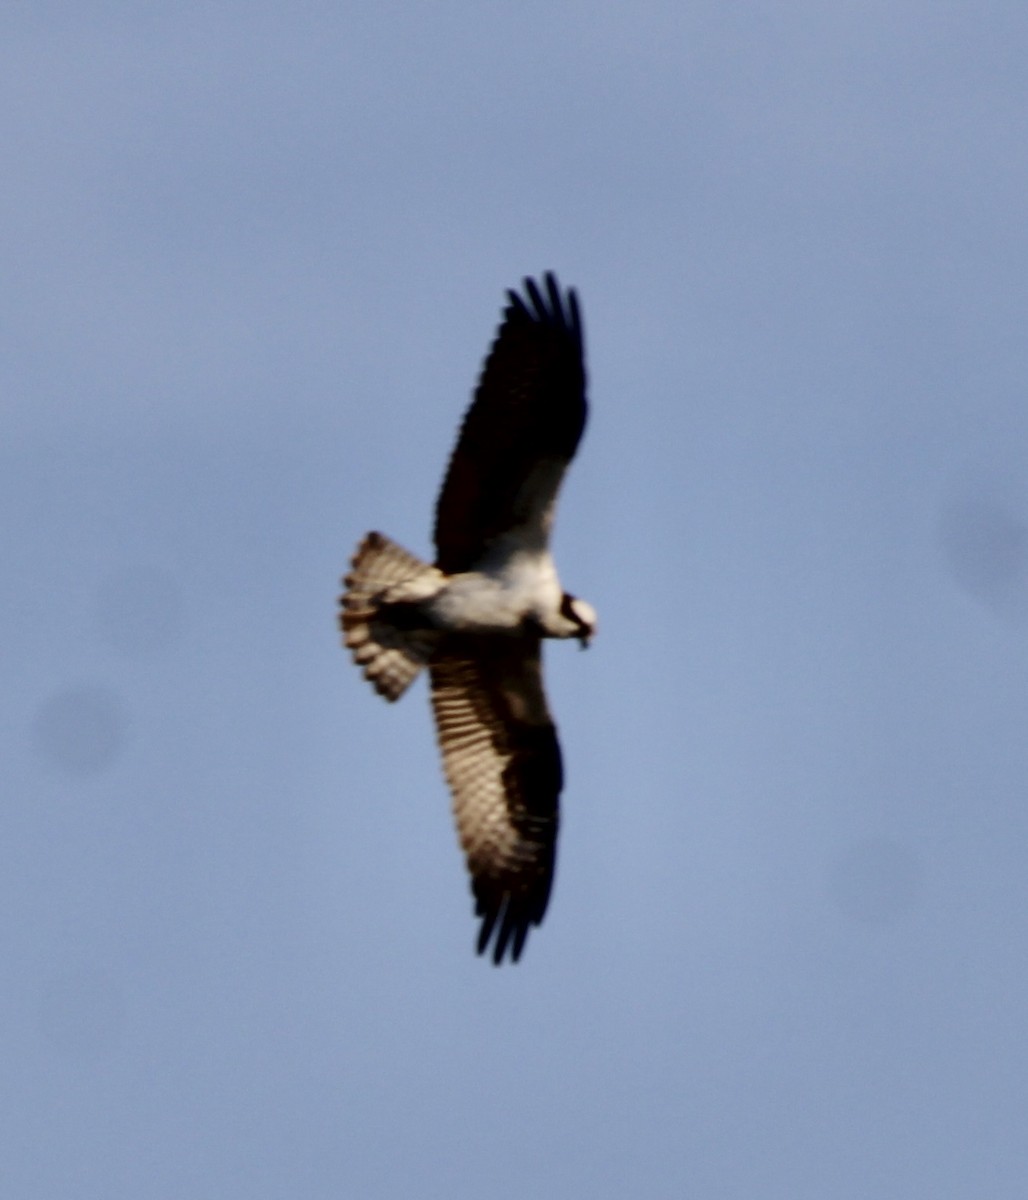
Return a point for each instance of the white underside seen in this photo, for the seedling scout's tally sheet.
(508, 589)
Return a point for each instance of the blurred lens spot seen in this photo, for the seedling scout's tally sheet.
(987, 552)
(82, 1012)
(875, 881)
(139, 610)
(81, 731)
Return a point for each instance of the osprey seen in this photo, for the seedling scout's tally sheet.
(477, 617)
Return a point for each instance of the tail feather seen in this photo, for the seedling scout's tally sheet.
(384, 574)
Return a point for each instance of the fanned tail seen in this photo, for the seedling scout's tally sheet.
(379, 614)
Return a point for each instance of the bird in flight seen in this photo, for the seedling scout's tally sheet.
(477, 617)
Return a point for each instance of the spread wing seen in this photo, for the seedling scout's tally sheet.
(503, 765)
(521, 430)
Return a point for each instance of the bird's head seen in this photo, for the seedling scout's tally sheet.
(581, 618)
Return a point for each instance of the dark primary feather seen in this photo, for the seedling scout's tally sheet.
(503, 764)
(529, 408)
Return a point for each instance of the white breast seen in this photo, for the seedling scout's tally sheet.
(508, 587)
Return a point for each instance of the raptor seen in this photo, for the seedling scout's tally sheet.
(476, 618)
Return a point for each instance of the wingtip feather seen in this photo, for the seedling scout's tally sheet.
(510, 921)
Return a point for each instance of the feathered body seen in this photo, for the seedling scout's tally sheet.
(476, 618)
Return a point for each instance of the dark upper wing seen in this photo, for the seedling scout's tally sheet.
(503, 765)
(521, 430)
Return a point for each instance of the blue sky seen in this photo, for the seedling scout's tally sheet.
(254, 255)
